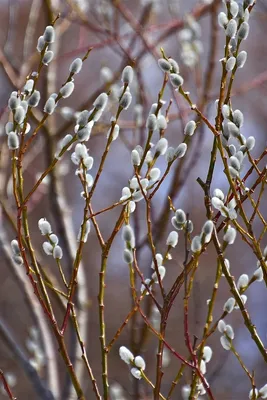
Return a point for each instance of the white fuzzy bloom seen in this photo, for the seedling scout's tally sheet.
(207, 231)
(172, 239)
(222, 19)
(143, 288)
(218, 193)
(162, 272)
(126, 100)
(207, 354)
(127, 256)
(161, 146)
(242, 281)
(185, 392)
(241, 59)
(101, 101)
(229, 305)
(86, 232)
(126, 355)
(230, 235)
(202, 367)
(49, 34)
(250, 143)
(180, 151)
(176, 80)
(230, 63)
(154, 174)
(44, 227)
(164, 65)
(196, 244)
(136, 373)
(263, 392)
(140, 362)
(34, 99)
(48, 57)
(15, 247)
(115, 132)
(253, 393)
(50, 106)
(19, 115)
(67, 89)
(190, 128)
(258, 274)
(162, 123)
(53, 238)
(13, 141)
(127, 75)
(221, 326)
(48, 248)
(225, 343)
(151, 122)
(135, 158)
(76, 66)
(170, 154)
(57, 252)
(128, 235)
(40, 44)
(231, 28)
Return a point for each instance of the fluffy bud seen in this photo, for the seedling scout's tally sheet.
(34, 99)
(50, 106)
(19, 115)
(243, 31)
(164, 65)
(49, 34)
(135, 157)
(161, 147)
(230, 235)
(128, 256)
(180, 150)
(126, 100)
(76, 66)
(126, 355)
(190, 128)
(242, 281)
(127, 75)
(151, 122)
(162, 123)
(128, 235)
(229, 305)
(140, 362)
(230, 63)
(101, 101)
(238, 118)
(250, 143)
(40, 44)
(222, 19)
(48, 57)
(172, 239)
(67, 89)
(241, 59)
(196, 244)
(231, 28)
(57, 252)
(44, 227)
(176, 80)
(207, 354)
(13, 141)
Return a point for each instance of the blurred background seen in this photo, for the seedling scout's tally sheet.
(122, 33)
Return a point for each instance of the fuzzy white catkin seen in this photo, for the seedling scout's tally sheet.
(180, 150)
(76, 66)
(28, 86)
(9, 127)
(44, 227)
(225, 343)
(174, 65)
(185, 392)
(221, 326)
(13, 141)
(48, 248)
(190, 128)
(226, 111)
(127, 256)
(164, 65)
(234, 8)
(101, 101)
(258, 274)
(253, 394)
(127, 75)
(241, 59)
(13, 102)
(48, 57)
(126, 355)
(170, 154)
(172, 239)
(196, 244)
(222, 19)
(126, 100)
(230, 63)
(233, 129)
(250, 143)
(151, 122)
(208, 228)
(219, 194)
(230, 235)
(128, 235)
(154, 174)
(140, 362)
(84, 133)
(34, 99)
(234, 162)
(53, 238)
(15, 247)
(136, 373)
(243, 31)
(19, 115)
(40, 44)
(231, 28)
(49, 106)
(263, 392)
(162, 123)
(207, 354)
(162, 272)
(238, 118)
(176, 80)
(115, 132)
(229, 305)
(135, 157)
(57, 252)
(67, 89)
(242, 281)
(161, 147)
(49, 34)
(229, 331)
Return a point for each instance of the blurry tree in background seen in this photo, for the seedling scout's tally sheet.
(132, 199)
